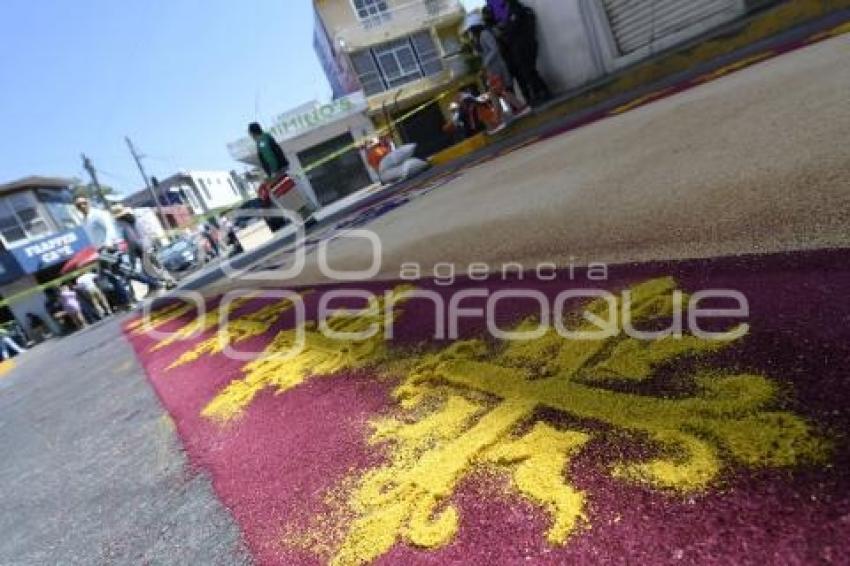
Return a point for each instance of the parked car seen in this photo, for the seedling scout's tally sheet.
(182, 256)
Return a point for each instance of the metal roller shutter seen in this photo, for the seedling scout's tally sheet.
(639, 23)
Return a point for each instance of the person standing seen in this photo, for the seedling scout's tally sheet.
(499, 78)
(276, 166)
(518, 23)
(141, 253)
(98, 224)
(88, 284)
(71, 306)
(270, 154)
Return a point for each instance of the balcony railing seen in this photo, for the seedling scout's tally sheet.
(396, 22)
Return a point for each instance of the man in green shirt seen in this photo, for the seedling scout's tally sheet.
(271, 156)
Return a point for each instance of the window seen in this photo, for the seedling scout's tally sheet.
(426, 50)
(371, 12)
(60, 206)
(368, 73)
(205, 189)
(20, 219)
(233, 187)
(398, 62)
(185, 195)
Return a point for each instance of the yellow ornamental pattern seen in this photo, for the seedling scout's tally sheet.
(466, 407)
(237, 330)
(202, 324)
(291, 358)
(160, 317)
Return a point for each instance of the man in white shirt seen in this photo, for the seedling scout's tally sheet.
(99, 225)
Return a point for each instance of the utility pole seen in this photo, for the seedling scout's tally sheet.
(138, 159)
(87, 164)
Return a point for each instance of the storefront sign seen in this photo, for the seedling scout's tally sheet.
(303, 119)
(49, 251)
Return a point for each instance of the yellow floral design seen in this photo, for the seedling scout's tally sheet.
(318, 355)
(237, 330)
(160, 317)
(210, 320)
(475, 404)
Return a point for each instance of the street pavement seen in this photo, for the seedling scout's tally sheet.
(92, 472)
(407, 453)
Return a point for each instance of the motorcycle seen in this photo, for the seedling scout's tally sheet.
(117, 261)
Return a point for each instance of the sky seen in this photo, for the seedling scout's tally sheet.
(181, 78)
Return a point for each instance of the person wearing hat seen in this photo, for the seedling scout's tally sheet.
(126, 221)
(139, 250)
(499, 78)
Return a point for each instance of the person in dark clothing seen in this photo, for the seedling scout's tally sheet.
(53, 306)
(126, 222)
(210, 235)
(142, 256)
(518, 25)
(117, 291)
(38, 329)
(271, 156)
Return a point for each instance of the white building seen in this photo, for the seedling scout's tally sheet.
(201, 191)
(320, 142)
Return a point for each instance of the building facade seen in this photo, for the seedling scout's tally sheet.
(40, 230)
(402, 54)
(201, 191)
(583, 40)
(322, 144)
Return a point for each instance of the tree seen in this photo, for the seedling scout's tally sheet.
(82, 189)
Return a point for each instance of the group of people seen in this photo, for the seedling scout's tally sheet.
(105, 288)
(504, 35)
(93, 296)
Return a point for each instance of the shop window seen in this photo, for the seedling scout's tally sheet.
(425, 129)
(20, 219)
(341, 175)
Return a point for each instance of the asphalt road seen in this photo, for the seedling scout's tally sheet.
(92, 472)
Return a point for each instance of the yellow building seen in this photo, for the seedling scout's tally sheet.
(403, 54)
